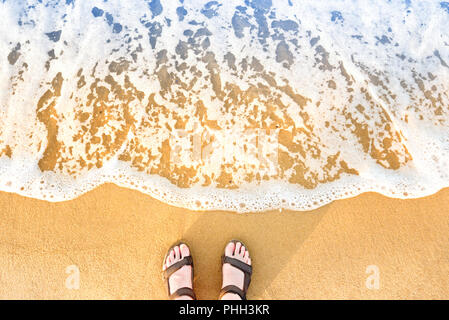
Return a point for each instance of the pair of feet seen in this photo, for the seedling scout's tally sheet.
(232, 276)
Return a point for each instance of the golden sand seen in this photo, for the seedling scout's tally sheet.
(118, 237)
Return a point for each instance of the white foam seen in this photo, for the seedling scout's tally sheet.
(391, 58)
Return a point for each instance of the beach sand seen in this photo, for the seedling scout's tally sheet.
(117, 238)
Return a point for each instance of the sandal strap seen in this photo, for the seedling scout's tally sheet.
(245, 268)
(185, 291)
(186, 261)
(233, 289)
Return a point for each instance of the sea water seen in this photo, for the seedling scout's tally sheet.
(243, 105)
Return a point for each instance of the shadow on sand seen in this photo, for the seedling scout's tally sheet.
(272, 238)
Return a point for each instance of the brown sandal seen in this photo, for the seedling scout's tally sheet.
(186, 261)
(245, 268)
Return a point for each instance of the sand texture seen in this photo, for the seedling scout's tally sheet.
(118, 237)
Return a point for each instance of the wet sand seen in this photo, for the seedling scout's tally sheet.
(117, 238)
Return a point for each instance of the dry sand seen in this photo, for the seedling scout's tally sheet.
(117, 238)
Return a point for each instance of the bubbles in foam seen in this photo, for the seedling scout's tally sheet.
(233, 105)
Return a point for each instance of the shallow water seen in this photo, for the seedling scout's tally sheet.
(237, 105)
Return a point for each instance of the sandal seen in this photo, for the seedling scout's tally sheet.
(245, 268)
(186, 261)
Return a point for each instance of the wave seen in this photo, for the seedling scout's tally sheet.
(243, 105)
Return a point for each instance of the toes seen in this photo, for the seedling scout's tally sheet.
(177, 253)
(167, 261)
(237, 250)
(242, 251)
(184, 250)
(229, 250)
(238, 245)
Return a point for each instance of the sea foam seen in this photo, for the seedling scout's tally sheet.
(243, 105)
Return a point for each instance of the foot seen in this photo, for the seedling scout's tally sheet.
(232, 275)
(183, 277)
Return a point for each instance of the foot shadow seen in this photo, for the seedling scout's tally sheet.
(272, 238)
